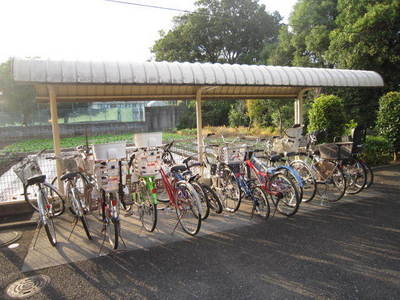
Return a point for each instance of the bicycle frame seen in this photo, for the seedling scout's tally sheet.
(262, 178)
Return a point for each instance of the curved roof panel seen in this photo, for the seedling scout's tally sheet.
(174, 73)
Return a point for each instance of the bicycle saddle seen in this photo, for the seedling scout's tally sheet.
(275, 158)
(68, 176)
(178, 168)
(36, 179)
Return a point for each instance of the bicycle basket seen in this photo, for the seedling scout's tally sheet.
(69, 164)
(26, 169)
(85, 165)
(333, 151)
(231, 155)
(147, 162)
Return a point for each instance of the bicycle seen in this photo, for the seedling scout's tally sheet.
(281, 189)
(45, 197)
(144, 165)
(183, 197)
(209, 199)
(226, 175)
(78, 206)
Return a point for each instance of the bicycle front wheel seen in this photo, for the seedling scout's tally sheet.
(356, 176)
(283, 193)
(213, 199)
(147, 209)
(310, 185)
(232, 191)
(370, 175)
(333, 185)
(188, 208)
(262, 205)
(205, 206)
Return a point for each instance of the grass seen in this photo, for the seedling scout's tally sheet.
(35, 145)
(40, 144)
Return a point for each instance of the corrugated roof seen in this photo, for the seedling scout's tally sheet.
(165, 73)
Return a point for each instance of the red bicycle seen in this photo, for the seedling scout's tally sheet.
(281, 189)
(184, 198)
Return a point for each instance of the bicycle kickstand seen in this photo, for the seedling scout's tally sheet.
(73, 227)
(104, 230)
(39, 226)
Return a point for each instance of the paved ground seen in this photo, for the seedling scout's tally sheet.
(346, 250)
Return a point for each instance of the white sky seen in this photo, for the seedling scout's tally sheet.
(91, 29)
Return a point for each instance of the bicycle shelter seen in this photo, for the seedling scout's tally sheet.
(83, 81)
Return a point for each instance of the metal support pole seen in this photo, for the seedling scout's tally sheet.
(299, 107)
(56, 134)
(199, 123)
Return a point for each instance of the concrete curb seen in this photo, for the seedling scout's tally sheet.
(17, 224)
(395, 164)
(14, 208)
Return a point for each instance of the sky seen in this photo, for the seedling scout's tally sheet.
(91, 29)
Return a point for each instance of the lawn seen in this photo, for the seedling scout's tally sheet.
(72, 142)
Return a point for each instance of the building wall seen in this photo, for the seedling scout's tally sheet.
(156, 119)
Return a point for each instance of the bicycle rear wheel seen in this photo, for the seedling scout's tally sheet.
(284, 194)
(213, 199)
(50, 231)
(262, 205)
(188, 208)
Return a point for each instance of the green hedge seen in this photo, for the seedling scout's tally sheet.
(377, 150)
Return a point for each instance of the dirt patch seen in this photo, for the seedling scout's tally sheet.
(7, 161)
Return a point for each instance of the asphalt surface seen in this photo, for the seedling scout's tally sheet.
(346, 250)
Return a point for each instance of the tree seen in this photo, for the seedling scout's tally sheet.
(388, 121)
(327, 112)
(238, 115)
(228, 31)
(259, 112)
(367, 37)
(18, 98)
(306, 39)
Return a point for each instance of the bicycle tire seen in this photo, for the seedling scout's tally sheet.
(288, 173)
(213, 199)
(50, 231)
(81, 189)
(357, 176)
(310, 184)
(262, 207)
(205, 205)
(113, 228)
(147, 206)
(58, 207)
(281, 187)
(230, 184)
(192, 205)
(370, 175)
(338, 180)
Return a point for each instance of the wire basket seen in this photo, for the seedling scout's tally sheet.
(69, 164)
(232, 155)
(27, 168)
(334, 152)
(85, 165)
(107, 174)
(147, 162)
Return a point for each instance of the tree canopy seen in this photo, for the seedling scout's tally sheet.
(231, 31)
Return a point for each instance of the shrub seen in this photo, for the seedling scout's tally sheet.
(327, 112)
(376, 150)
(388, 119)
